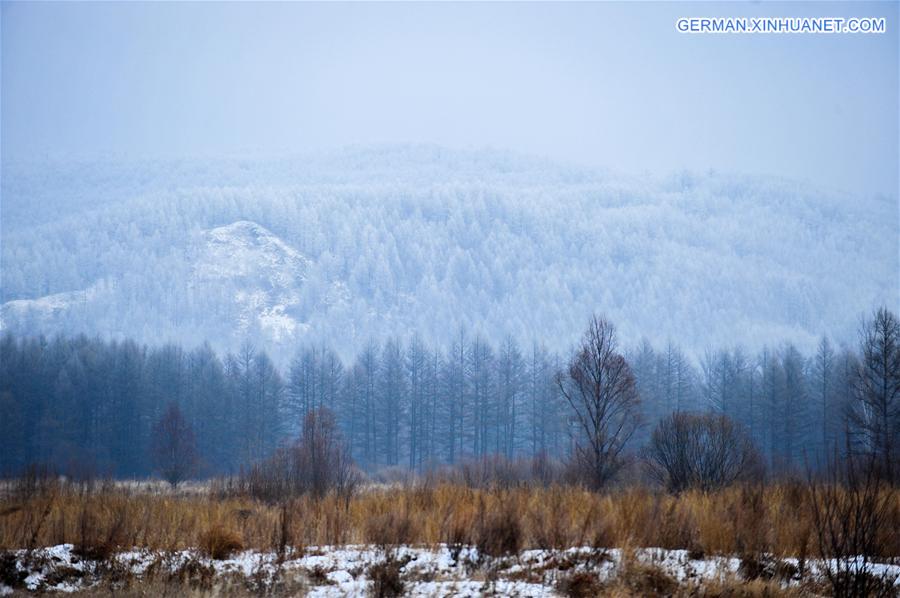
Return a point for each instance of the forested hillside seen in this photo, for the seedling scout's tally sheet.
(369, 243)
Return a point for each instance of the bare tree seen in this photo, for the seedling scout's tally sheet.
(174, 447)
(875, 415)
(824, 388)
(600, 388)
(703, 451)
(318, 463)
(854, 515)
(321, 458)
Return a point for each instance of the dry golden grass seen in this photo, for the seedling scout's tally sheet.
(635, 578)
(739, 520)
(220, 543)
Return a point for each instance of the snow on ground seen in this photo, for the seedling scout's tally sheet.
(345, 571)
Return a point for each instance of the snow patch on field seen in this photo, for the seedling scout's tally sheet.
(345, 570)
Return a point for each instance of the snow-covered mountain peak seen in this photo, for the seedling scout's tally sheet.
(246, 232)
(261, 273)
(246, 249)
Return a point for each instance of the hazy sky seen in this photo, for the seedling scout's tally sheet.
(608, 84)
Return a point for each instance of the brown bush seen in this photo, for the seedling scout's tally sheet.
(318, 576)
(731, 587)
(579, 584)
(62, 574)
(220, 543)
(551, 524)
(389, 529)
(702, 451)
(195, 575)
(499, 530)
(851, 509)
(36, 480)
(10, 575)
(101, 528)
(641, 579)
(386, 578)
(766, 567)
(317, 464)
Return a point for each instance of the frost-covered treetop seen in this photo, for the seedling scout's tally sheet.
(381, 241)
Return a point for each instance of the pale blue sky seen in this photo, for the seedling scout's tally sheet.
(608, 84)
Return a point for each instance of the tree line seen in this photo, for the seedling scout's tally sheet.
(87, 405)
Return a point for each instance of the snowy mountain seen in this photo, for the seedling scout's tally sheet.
(373, 242)
(264, 274)
(43, 309)
(242, 271)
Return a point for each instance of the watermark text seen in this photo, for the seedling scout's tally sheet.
(758, 25)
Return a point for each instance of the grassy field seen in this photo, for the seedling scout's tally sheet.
(745, 525)
(775, 519)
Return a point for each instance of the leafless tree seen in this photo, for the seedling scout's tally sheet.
(854, 512)
(174, 447)
(321, 459)
(318, 463)
(875, 414)
(703, 451)
(600, 388)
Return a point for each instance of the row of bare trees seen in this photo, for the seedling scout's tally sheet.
(419, 408)
(705, 451)
(686, 450)
(852, 499)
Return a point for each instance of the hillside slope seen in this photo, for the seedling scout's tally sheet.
(372, 242)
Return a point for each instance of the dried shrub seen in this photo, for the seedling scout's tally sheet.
(318, 576)
(850, 511)
(579, 584)
(495, 472)
(696, 554)
(195, 574)
(676, 526)
(766, 567)
(551, 522)
(642, 579)
(62, 574)
(101, 530)
(36, 480)
(219, 543)
(702, 451)
(749, 517)
(10, 575)
(499, 531)
(317, 464)
(876, 586)
(285, 535)
(729, 586)
(456, 533)
(386, 578)
(389, 529)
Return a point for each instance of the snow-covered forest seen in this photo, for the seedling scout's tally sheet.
(375, 242)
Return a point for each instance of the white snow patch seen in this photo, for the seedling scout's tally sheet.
(429, 571)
